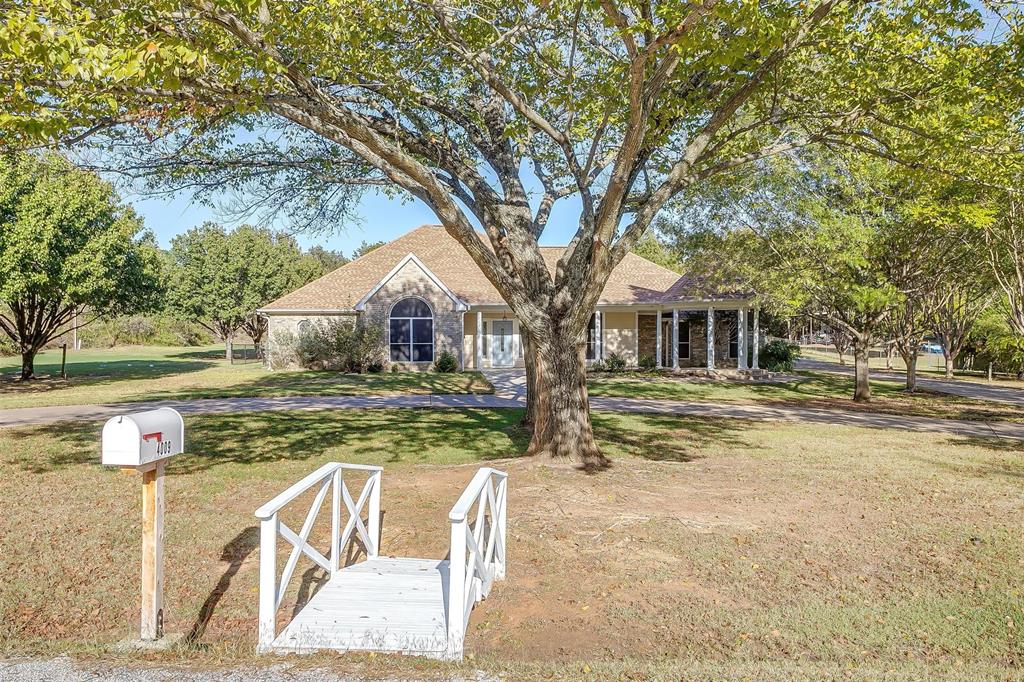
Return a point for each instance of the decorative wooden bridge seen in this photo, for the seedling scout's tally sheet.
(387, 604)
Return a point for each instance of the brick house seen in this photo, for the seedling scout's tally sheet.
(426, 295)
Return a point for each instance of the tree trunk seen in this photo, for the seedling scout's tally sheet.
(530, 362)
(889, 348)
(561, 411)
(862, 389)
(950, 360)
(228, 351)
(910, 360)
(28, 364)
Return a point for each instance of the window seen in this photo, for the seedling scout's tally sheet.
(684, 339)
(592, 337)
(303, 327)
(411, 331)
(487, 340)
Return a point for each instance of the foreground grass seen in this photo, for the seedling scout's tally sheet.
(818, 389)
(717, 549)
(158, 373)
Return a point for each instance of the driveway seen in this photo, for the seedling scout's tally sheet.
(958, 387)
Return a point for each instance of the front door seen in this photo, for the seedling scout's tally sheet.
(501, 343)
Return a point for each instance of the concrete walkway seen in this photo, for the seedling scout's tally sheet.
(958, 387)
(507, 397)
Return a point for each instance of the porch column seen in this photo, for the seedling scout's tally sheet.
(711, 338)
(675, 338)
(657, 339)
(479, 340)
(756, 339)
(599, 337)
(741, 338)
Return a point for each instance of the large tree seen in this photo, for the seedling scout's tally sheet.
(219, 278)
(489, 112)
(70, 252)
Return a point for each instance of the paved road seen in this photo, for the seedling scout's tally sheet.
(505, 399)
(959, 387)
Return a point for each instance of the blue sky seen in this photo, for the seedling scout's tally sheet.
(380, 218)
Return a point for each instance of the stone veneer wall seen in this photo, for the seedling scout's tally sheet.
(412, 281)
(277, 324)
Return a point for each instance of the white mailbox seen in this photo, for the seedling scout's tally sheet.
(138, 439)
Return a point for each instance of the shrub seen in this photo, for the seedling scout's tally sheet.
(598, 366)
(779, 355)
(446, 362)
(647, 361)
(340, 345)
(282, 350)
(615, 362)
(7, 347)
(375, 367)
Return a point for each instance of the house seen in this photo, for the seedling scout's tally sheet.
(426, 294)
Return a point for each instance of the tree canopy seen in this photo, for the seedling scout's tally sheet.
(220, 278)
(491, 112)
(70, 252)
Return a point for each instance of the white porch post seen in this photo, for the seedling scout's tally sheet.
(599, 337)
(741, 338)
(711, 338)
(479, 340)
(657, 338)
(756, 339)
(675, 338)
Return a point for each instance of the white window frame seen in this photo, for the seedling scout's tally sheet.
(411, 333)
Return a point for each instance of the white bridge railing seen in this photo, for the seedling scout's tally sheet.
(477, 556)
(328, 478)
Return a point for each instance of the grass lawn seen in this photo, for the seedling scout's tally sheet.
(929, 366)
(818, 389)
(710, 549)
(154, 373)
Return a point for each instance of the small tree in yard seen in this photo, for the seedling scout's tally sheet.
(471, 106)
(70, 253)
(841, 341)
(219, 279)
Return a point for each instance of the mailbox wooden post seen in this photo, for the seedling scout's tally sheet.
(143, 441)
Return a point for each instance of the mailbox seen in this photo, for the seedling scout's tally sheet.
(139, 439)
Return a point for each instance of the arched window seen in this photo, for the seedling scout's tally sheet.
(303, 327)
(411, 331)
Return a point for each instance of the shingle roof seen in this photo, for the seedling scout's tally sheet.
(635, 280)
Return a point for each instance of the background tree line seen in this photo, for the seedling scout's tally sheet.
(74, 257)
(878, 252)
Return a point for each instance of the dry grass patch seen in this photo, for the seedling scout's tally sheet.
(716, 549)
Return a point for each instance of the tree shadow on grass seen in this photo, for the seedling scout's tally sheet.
(97, 373)
(329, 383)
(664, 438)
(378, 436)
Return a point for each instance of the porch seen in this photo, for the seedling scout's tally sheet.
(705, 337)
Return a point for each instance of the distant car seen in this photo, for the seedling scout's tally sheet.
(931, 348)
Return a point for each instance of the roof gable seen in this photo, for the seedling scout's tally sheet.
(411, 258)
(635, 280)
